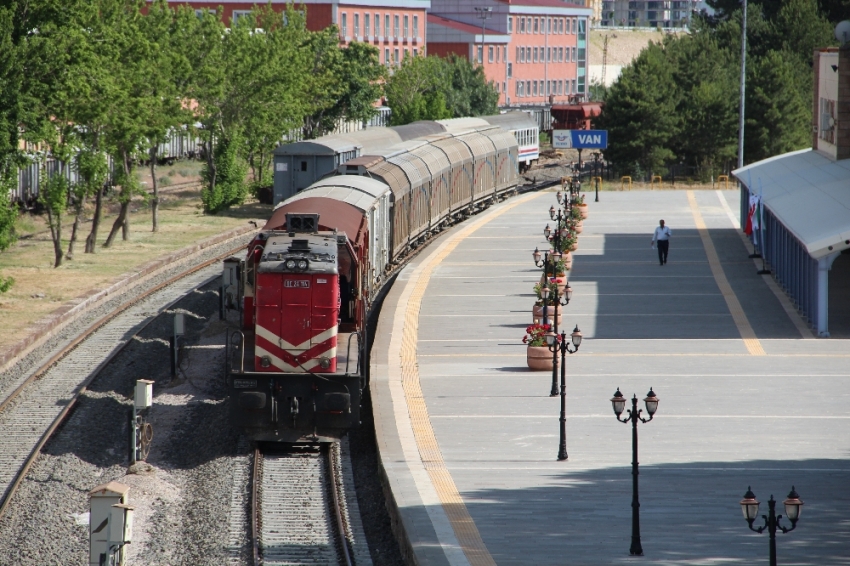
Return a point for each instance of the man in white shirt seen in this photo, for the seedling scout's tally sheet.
(662, 239)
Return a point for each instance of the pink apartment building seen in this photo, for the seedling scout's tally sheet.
(534, 51)
(396, 27)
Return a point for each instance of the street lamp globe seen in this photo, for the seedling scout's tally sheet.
(551, 339)
(651, 402)
(750, 506)
(793, 506)
(552, 212)
(536, 255)
(544, 292)
(619, 403)
(547, 231)
(576, 335)
(568, 292)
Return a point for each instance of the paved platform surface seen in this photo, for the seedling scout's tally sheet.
(468, 436)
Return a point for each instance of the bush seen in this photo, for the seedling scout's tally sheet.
(229, 187)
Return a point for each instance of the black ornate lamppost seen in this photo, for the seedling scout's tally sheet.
(544, 263)
(597, 156)
(561, 299)
(559, 343)
(619, 403)
(750, 507)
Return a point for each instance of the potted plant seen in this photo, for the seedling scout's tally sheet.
(579, 202)
(549, 301)
(570, 242)
(538, 355)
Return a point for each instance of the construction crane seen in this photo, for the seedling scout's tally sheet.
(604, 59)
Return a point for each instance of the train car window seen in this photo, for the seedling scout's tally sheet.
(303, 165)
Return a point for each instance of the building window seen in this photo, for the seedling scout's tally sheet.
(581, 27)
(535, 88)
(498, 88)
(356, 25)
(528, 88)
(548, 25)
(510, 24)
(574, 25)
(415, 52)
(387, 26)
(239, 14)
(574, 55)
(535, 54)
(581, 54)
(406, 52)
(517, 90)
(377, 25)
(344, 25)
(490, 54)
(366, 25)
(395, 27)
(548, 54)
(395, 56)
(416, 26)
(505, 87)
(574, 86)
(521, 28)
(406, 22)
(505, 53)
(387, 57)
(510, 70)
(536, 25)
(528, 24)
(480, 57)
(580, 85)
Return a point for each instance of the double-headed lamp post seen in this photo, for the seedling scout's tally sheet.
(597, 156)
(559, 343)
(544, 263)
(483, 14)
(619, 403)
(750, 507)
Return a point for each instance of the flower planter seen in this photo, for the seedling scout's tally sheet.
(537, 314)
(568, 260)
(583, 209)
(578, 227)
(539, 358)
(574, 247)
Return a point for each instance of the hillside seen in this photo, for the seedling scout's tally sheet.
(623, 46)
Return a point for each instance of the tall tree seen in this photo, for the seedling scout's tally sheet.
(640, 114)
(471, 94)
(416, 90)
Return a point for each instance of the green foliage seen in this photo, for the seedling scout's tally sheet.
(8, 215)
(225, 187)
(435, 88)
(678, 101)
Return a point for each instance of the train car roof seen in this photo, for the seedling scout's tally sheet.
(514, 120)
(356, 190)
(333, 215)
(366, 141)
(455, 125)
(418, 129)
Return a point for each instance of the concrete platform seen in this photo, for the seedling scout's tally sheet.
(468, 436)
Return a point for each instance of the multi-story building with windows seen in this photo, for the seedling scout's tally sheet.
(534, 51)
(649, 13)
(396, 27)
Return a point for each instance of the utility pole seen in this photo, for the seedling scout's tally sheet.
(604, 58)
(743, 86)
(483, 14)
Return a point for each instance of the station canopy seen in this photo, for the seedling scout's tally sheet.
(809, 193)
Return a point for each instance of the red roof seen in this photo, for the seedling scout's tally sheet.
(460, 26)
(333, 214)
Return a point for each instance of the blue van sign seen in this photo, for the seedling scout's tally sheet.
(580, 139)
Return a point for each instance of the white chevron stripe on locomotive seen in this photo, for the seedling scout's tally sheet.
(284, 345)
(283, 365)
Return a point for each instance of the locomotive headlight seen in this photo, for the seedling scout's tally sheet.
(290, 264)
(265, 361)
(302, 264)
(325, 363)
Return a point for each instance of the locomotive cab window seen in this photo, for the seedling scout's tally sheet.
(345, 265)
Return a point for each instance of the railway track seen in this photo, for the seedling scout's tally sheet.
(34, 405)
(298, 510)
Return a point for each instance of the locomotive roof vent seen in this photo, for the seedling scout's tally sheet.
(302, 223)
(299, 246)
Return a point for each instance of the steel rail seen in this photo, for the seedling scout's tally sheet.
(336, 482)
(94, 327)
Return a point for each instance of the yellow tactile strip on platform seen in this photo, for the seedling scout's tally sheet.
(426, 441)
(732, 303)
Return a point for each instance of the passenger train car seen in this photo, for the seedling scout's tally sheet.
(311, 278)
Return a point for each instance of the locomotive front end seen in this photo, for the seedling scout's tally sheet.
(288, 380)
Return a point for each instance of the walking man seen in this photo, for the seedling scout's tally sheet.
(662, 239)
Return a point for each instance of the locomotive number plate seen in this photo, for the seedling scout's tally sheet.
(298, 283)
(244, 383)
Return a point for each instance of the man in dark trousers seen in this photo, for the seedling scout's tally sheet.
(662, 239)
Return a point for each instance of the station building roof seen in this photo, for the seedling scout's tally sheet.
(809, 193)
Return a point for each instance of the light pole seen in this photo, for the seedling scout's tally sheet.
(560, 228)
(544, 291)
(556, 343)
(750, 507)
(619, 403)
(567, 294)
(483, 13)
(596, 157)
